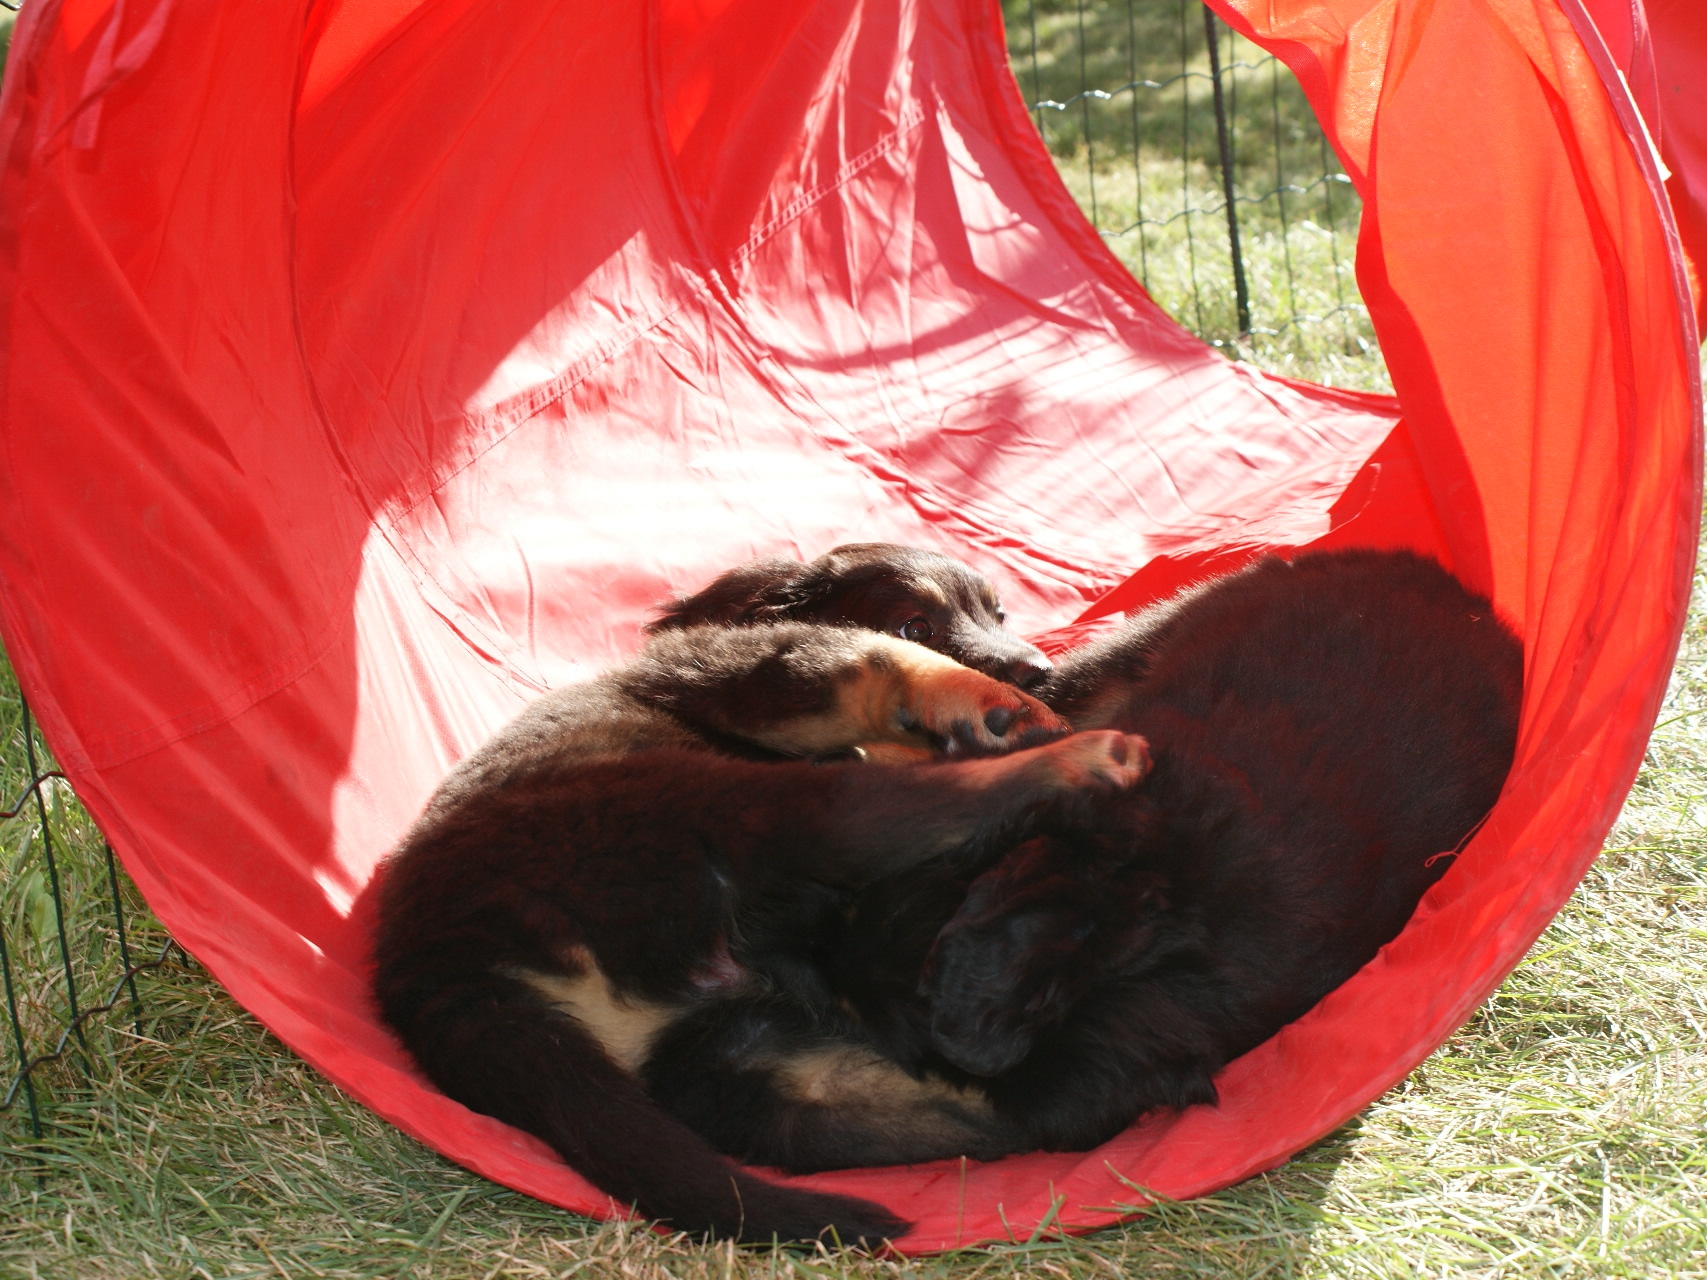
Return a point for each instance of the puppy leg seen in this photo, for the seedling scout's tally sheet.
(904, 692)
(686, 836)
(863, 822)
(770, 1082)
(493, 1044)
(812, 690)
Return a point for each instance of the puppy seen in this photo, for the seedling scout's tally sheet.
(918, 595)
(648, 857)
(1325, 734)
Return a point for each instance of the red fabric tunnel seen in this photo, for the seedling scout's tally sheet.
(372, 365)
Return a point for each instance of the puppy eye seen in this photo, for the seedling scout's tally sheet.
(917, 630)
(1001, 614)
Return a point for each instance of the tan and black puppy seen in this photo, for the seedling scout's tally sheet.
(649, 859)
(918, 595)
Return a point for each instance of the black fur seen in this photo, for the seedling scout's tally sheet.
(606, 888)
(1323, 731)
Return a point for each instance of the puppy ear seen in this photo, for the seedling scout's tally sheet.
(995, 984)
(1012, 962)
(767, 590)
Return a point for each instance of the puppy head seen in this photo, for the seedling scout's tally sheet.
(918, 595)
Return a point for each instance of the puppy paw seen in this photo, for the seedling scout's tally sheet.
(1098, 760)
(961, 711)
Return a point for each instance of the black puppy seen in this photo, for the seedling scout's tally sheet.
(1322, 732)
(608, 878)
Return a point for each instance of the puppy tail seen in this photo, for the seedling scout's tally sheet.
(495, 1047)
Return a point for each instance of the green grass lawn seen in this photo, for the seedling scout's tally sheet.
(1562, 1132)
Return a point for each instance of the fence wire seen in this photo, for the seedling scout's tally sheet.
(68, 920)
(1197, 157)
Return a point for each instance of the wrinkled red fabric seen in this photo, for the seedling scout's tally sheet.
(372, 366)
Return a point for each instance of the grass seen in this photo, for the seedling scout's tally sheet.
(1560, 1133)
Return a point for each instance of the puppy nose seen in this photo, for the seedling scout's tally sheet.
(1029, 672)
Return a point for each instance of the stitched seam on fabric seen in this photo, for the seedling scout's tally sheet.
(925, 498)
(110, 753)
(517, 413)
(508, 416)
(911, 118)
(916, 494)
(512, 414)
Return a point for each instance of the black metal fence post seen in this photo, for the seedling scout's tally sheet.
(124, 943)
(18, 1036)
(20, 973)
(1241, 293)
(53, 877)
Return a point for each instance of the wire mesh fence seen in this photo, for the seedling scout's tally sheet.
(74, 934)
(1197, 157)
(1194, 154)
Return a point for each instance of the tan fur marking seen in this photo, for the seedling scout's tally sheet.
(625, 1027)
(940, 693)
(894, 753)
(925, 589)
(896, 675)
(860, 1079)
(1102, 711)
(867, 700)
(891, 678)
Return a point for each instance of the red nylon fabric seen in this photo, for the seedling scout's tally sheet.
(371, 367)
